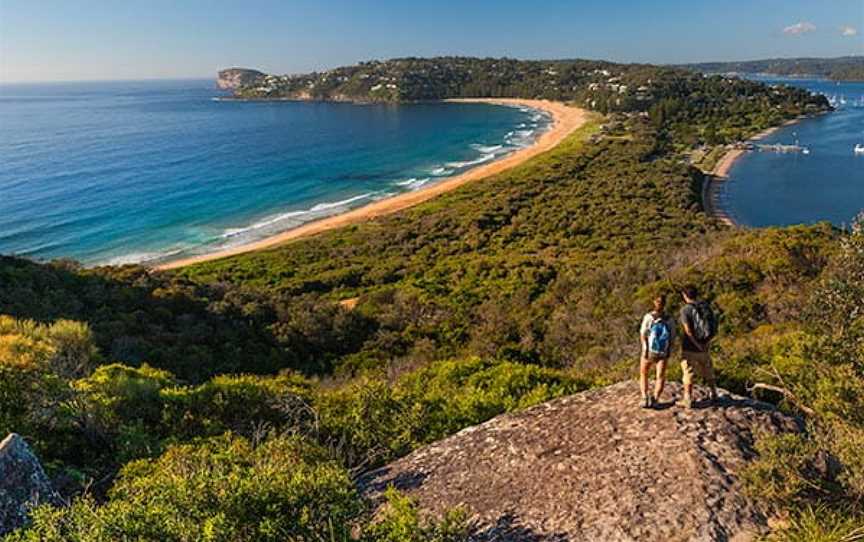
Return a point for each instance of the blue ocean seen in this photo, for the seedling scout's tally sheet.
(126, 172)
(768, 188)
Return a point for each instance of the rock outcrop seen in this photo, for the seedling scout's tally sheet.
(23, 483)
(594, 466)
(234, 78)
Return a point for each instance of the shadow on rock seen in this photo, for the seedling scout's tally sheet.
(508, 529)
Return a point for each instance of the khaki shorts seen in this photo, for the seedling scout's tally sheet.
(696, 363)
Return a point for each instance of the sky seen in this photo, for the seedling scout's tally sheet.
(63, 40)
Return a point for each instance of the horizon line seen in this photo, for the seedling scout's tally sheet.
(204, 77)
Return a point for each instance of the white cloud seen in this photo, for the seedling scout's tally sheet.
(848, 31)
(799, 28)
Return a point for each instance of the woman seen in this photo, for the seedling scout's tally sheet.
(656, 333)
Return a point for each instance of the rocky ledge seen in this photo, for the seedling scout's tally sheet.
(23, 483)
(595, 466)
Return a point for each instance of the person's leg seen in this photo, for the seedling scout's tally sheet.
(687, 379)
(660, 381)
(644, 367)
(708, 375)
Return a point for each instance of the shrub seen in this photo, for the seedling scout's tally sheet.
(220, 489)
(240, 404)
(401, 522)
(821, 524)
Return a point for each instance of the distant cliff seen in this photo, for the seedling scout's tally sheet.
(236, 78)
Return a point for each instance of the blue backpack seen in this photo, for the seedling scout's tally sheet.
(659, 338)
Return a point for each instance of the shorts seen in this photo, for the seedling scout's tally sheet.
(696, 363)
(652, 357)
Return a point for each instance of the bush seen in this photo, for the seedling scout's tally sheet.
(821, 524)
(785, 472)
(34, 394)
(401, 522)
(450, 395)
(222, 489)
(241, 404)
(370, 421)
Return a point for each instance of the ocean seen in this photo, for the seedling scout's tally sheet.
(137, 172)
(775, 189)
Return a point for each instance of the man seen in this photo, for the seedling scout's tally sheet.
(699, 326)
(656, 334)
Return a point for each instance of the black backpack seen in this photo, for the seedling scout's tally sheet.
(704, 322)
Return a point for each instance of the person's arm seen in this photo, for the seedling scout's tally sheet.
(673, 331)
(689, 333)
(643, 334)
(686, 317)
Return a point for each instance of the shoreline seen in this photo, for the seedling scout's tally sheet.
(720, 174)
(564, 120)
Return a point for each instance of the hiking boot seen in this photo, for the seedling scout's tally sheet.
(713, 399)
(685, 402)
(647, 401)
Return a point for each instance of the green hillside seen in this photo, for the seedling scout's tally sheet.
(847, 68)
(602, 86)
(248, 378)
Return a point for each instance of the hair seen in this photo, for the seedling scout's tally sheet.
(690, 291)
(661, 299)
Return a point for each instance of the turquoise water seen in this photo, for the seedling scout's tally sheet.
(768, 189)
(142, 171)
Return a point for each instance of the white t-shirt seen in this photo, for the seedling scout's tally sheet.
(648, 320)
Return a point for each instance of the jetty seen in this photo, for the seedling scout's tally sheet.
(780, 147)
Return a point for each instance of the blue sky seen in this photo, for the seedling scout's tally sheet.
(44, 40)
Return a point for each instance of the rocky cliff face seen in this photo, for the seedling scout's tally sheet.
(235, 78)
(23, 484)
(594, 466)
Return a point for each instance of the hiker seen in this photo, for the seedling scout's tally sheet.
(699, 327)
(656, 333)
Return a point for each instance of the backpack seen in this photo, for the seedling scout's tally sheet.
(704, 322)
(659, 337)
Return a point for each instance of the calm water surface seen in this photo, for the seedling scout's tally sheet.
(767, 189)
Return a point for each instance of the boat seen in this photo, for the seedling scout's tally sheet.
(859, 149)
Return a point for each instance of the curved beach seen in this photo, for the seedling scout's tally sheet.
(565, 119)
(720, 174)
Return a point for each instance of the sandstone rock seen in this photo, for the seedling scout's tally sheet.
(595, 467)
(23, 483)
(234, 78)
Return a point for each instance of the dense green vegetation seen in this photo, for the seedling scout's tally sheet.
(238, 399)
(846, 68)
(238, 457)
(602, 86)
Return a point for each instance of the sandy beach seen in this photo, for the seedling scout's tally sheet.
(720, 174)
(565, 119)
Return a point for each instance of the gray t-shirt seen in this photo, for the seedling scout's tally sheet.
(687, 319)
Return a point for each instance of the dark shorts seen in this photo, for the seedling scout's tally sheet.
(650, 356)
